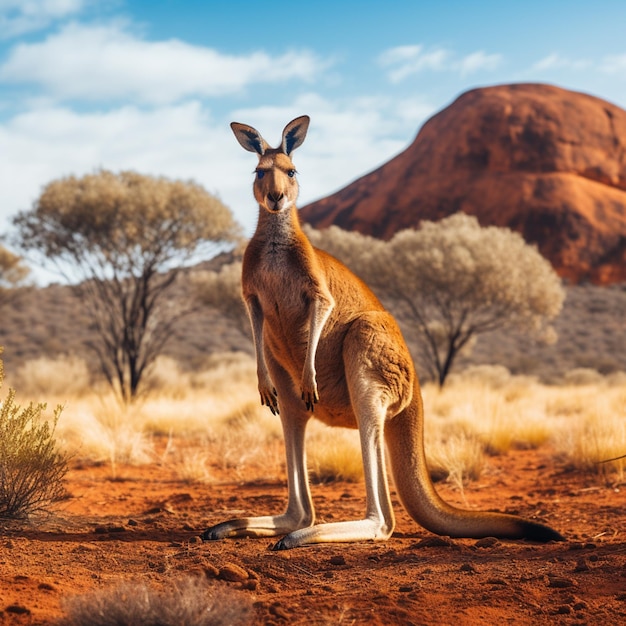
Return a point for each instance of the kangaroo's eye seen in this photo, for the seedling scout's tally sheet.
(260, 174)
(291, 173)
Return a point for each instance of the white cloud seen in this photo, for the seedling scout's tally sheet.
(179, 141)
(479, 61)
(92, 63)
(556, 61)
(614, 64)
(346, 139)
(403, 61)
(22, 16)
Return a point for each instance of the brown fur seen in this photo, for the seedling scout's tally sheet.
(326, 346)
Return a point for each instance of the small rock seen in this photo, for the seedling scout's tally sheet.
(405, 589)
(278, 611)
(117, 529)
(232, 573)
(564, 609)
(468, 567)
(86, 547)
(133, 522)
(432, 542)
(581, 566)
(496, 581)
(110, 528)
(211, 571)
(17, 609)
(46, 587)
(337, 560)
(559, 582)
(487, 542)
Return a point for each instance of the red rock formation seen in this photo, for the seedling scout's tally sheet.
(547, 162)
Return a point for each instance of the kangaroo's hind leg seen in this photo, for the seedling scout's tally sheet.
(370, 401)
(299, 512)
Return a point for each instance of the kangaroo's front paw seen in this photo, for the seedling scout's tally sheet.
(309, 391)
(269, 398)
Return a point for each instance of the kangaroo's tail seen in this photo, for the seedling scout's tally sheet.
(405, 440)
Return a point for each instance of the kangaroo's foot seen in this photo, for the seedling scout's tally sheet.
(360, 530)
(266, 526)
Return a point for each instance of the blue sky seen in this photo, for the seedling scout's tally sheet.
(152, 85)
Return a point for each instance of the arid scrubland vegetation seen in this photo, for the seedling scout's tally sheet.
(198, 410)
(201, 423)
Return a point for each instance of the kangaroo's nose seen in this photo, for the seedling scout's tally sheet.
(275, 196)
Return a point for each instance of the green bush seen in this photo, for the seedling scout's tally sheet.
(31, 468)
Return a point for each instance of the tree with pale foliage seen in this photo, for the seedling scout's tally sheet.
(455, 280)
(12, 274)
(124, 239)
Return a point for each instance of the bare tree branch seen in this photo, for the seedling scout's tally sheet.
(123, 240)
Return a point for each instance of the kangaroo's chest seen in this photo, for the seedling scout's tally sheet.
(283, 293)
(281, 280)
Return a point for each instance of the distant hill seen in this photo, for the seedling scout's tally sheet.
(546, 162)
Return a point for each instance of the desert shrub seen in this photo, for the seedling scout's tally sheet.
(222, 370)
(459, 459)
(616, 379)
(165, 377)
(193, 466)
(582, 376)
(189, 601)
(495, 376)
(31, 468)
(64, 376)
(594, 439)
(334, 455)
(102, 429)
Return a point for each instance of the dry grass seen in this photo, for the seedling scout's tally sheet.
(189, 601)
(584, 423)
(334, 454)
(213, 422)
(67, 375)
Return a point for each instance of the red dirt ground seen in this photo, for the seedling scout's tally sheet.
(145, 525)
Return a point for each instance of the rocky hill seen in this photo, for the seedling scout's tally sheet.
(544, 161)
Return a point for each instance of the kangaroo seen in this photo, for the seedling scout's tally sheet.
(325, 346)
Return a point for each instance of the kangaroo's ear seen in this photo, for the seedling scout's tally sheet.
(249, 138)
(294, 134)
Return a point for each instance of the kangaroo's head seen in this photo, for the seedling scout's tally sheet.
(275, 185)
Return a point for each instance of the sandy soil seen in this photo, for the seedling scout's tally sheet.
(145, 525)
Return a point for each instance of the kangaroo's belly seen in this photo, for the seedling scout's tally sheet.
(288, 352)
